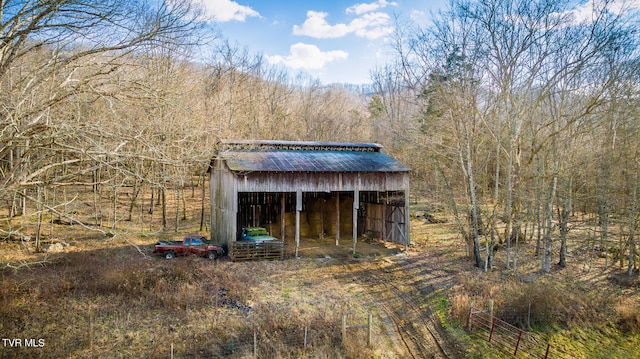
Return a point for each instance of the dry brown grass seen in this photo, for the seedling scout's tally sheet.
(112, 301)
(108, 297)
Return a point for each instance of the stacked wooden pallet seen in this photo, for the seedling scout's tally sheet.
(247, 250)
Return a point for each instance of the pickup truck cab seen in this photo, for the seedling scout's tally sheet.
(192, 244)
(256, 235)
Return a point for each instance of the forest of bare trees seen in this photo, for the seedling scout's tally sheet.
(520, 117)
(529, 109)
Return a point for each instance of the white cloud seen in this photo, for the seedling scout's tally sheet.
(316, 26)
(359, 9)
(308, 57)
(372, 26)
(588, 11)
(227, 10)
(417, 15)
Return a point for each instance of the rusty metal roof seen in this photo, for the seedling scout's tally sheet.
(290, 156)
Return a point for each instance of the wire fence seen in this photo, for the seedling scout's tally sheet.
(296, 343)
(288, 342)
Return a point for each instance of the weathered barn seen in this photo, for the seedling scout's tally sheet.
(308, 189)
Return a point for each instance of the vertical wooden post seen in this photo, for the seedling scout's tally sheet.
(384, 219)
(255, 343)
(337, 218)
(305, 337)
(356, 205)
(491, 307)
(468, 326)
(344, 330)
(407, 220)
(369, 325)
(171, 345)
(469, 316)
(298, 210)
(91, 331)
(283, 208)
(321, 234)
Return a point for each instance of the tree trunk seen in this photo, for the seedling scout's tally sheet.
(563, 217)
(115, 199)
(184, 202)
(137, 186)
(163, 199)
(632, 222)
(538, 212)
(40, 209)
(202, 201)
(546, 255)
(97, 197)
(151, 202)
(496, 198)
(177, 219)
(475, 213)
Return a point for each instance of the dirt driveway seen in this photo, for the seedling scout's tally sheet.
(405, 288)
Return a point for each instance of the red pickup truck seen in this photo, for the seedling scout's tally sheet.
(192, 244)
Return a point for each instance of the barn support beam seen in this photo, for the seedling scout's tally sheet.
(356, 205)
(298, 210)
(337, 218)
(282, 215)
(407, 218)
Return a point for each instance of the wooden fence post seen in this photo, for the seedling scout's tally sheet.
(491, 307)
(344, 330)
(91, 334)
(255, 343)
(369, 326)
(172, 331)
(469, 315)
(305, 337)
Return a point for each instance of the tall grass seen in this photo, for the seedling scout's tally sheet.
(114, 302)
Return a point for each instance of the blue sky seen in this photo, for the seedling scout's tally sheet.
(336, 41)
(332, 40)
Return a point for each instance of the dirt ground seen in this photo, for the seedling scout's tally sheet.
(402, 283)
(327, 248)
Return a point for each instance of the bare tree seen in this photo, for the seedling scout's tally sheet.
(57, 58)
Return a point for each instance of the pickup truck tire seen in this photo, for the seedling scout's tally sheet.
(169, 255)
(212, 255)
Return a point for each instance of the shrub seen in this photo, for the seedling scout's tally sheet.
(628, 317)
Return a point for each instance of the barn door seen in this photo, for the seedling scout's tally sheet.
(395, 226)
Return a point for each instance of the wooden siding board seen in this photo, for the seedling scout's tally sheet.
(224, 204)
(322, 182)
